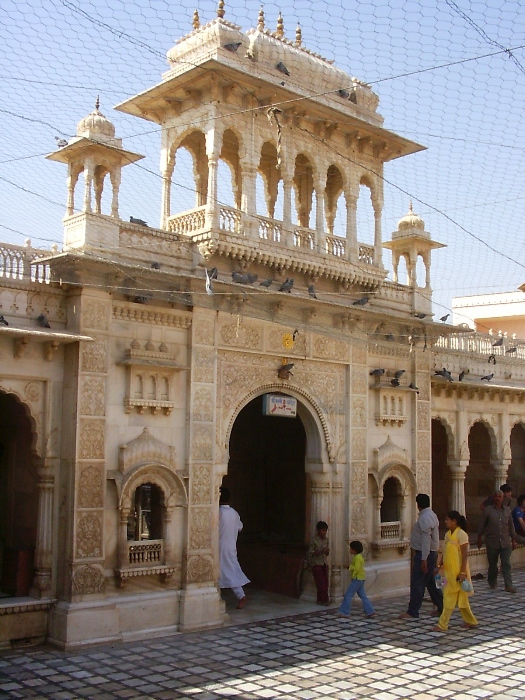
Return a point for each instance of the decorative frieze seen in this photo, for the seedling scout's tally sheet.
(93, 356)
(201, 484)
(241, 335)
(143, 314)
(90, 487)
(200, 528)
(202, 404)
(199, 569)
(202, 443)
(95, 315)
(88, 579)
(91, 440)
(92, 396)
(89, 535)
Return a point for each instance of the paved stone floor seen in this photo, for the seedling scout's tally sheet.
(310, 655)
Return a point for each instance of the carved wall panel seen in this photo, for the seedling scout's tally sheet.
(92, 396)
(91, 440)
(424, 388)
(201, 484)
(359, 354)
(423, 415)
(202, 443)
(88, 579)
(32, 391)
(359, 380)
(358, 479)
(424, 481)
(95, 314)
(200, 528)
(330, 348)
(89, 535)
(274, 343)
(200, 568)
(90, 488)
(358, 520)
(358, 412)
(203, 365)
(423, 446)
(203, 333)
(241, 335)
(202, 404)
(93, 356)
(358, 445)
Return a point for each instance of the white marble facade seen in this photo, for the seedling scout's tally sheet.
(132, 393)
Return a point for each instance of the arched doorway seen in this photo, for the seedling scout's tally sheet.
(270, 490)
(441, 477)
(18, 498)
(479, 479)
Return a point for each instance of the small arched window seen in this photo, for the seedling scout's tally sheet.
(390, 511)
(145, 518)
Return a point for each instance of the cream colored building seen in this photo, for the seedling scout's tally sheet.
(119, 421)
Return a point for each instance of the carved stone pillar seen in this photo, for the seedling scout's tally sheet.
(165, 206)
(89, 174)
(402, 510)
(115, 177)
(166, 523)
(377, 517)
(212, 204)
(337, 540)
(248, 198)
(352, 251)
(71, 182)
(122, 548)
(378, 250)
(500, 472)
(319, 217)
(320, 508)
(458, 471)
(44, 537)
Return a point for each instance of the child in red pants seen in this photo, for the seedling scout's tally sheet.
(317, 553)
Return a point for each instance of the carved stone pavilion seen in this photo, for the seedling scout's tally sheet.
(120, 421)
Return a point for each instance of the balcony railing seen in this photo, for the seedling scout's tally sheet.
(147, 552)
(391, 530)
(188, 222)
(482, 344)
(336, 246)
(16, 263)
(304, 238)
(270, 229)
(366, 254)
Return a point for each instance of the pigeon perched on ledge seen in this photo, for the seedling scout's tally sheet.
(361, 302)
(287, 285)
(141, 222)
(3, 321)
(42, 321)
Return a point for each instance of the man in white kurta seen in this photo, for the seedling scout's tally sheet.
(230, 525)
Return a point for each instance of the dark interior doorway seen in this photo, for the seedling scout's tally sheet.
(18, 499)
(267, 479)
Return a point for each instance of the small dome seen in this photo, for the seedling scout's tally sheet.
(410, 221)
(96, 124)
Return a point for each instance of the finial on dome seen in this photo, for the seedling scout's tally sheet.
(260, 20)
(220, 9)
(196, 20)
(97, 102)
(298, 35)
(279, 33)
(410, 210)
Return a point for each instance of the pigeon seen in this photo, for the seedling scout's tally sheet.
(444, 373)
(395, 381)
(414, 387)
(377, 372)
(344, 94)
(285, 372)
(42, 321)
(61, 142)
(243, 279)
(141, 222)
(498, 343)
(487, 377)
(212, 273)
(361, 302)
(444, 318)
(399, 373)
(287, 285)
(155, 266)
(3, 321)
(461, 376)
(311, 291)
(492, 358)
(420, 315)
(295, 334)
(209, 277)
(390, 336)
(510, 351)
(266, 283)
(140, 299)
(233, 46)
(282, 68)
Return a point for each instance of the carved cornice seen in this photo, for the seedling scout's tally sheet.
(143, 314)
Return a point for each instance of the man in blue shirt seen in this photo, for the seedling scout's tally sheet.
(518, 518)
(424, 541)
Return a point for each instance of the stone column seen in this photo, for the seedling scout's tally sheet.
(352, 245)
(458, 472)
(337, 540)
(378, 250)
(165, 206)
(122, 545)
(320, 509)
(71, 182)
(115, 177)
(89, 174)
(212, 205)
(44, 535)
(319, 217)
(377, 517)
(166, 524)
(500, 472)
(248, 199)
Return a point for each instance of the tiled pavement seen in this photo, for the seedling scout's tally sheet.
(312, 655)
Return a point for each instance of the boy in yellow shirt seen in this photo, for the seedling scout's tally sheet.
(357, 584)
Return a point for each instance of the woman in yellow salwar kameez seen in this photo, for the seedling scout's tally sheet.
(453, 566)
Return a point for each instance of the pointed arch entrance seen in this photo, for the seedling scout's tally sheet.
(269, 479)
(18, 498)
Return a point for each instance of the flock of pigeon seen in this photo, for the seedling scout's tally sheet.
(41, 320)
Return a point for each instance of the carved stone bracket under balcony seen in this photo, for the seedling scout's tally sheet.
(163, 571)
(400, 545)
